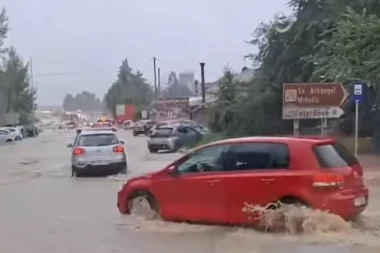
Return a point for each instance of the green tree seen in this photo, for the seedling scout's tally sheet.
(20, 97)
(130, 87)
(175, 88)
(284, 49)
(84, 101)
(351, 53)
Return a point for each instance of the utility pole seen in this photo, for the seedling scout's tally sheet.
(159, 83)
(32, 87)
(155, 78)
(203, 82)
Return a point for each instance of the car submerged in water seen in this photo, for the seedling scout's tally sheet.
(212, 183)
(97, 152)
(172, 137)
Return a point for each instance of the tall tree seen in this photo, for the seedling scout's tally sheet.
(84, 101)
(175, 88)
(20, 97)
(4, 28)
(130, 87)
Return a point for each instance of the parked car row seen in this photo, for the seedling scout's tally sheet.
(13, 134)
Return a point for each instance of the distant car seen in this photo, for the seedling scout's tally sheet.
(16, 133)
(142, 127)
(190, 123)
(105, 126)
(127, 124)
(32, 131)
(6, 136)
(214, 182)
(23, 131)
(95, 152)
(172, 137)
(71, 125)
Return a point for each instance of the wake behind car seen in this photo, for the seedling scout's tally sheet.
(214, 182)
(95, 152)
(172, 137)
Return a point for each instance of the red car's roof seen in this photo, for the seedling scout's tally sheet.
(285, 140)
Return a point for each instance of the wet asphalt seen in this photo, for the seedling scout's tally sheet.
(43, 210)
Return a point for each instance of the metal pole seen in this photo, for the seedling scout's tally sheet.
(203, 82)
(296, 127)
(356, 127)
(159, 83)
(32, 87)
(155, 77)
(323, 126)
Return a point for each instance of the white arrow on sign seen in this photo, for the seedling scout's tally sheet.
(312, 113)
(345, 96)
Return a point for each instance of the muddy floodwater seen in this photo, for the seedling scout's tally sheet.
(43, 210)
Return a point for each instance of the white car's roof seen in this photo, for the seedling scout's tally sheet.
(99, 132)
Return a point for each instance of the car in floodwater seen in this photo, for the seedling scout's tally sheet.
(6, 136)
(142, 127)
(95, 152)
(172, 138)
(15, 133)
(213, 182)
(191, 123)
(104, 125)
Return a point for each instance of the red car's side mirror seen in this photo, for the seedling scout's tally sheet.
(172, 170)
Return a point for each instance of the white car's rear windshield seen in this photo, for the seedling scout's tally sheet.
(96, 140)
(334, 156)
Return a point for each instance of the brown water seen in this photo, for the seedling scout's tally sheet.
(46, 210)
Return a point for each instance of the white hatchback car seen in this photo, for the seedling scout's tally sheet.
(6, 136)
(16, 133)
(97, 152)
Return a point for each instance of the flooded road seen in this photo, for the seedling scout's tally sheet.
(43, 210)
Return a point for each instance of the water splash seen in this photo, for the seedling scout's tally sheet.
(295, 219)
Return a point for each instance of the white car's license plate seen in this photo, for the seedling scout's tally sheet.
(159, 140)
(99, 163)
(360, 201)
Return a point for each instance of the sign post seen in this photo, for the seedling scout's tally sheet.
(323, 126)
(313, 101)
(358, 97)
(296, 127)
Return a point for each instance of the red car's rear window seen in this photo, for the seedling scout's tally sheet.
(334, 155)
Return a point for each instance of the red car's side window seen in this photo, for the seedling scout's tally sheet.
(257, 156)
(204, 160)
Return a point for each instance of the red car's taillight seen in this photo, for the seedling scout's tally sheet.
(79, 151)
(118, 149)
(328, 179)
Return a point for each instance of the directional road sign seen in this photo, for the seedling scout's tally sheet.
(313, 100)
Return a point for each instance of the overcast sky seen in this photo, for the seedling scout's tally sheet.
(79, 44)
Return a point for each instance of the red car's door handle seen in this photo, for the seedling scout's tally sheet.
(267, 180)
(213, 181)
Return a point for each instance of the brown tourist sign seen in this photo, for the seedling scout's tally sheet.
(313, 100)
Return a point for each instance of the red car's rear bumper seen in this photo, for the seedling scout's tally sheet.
(342, 202)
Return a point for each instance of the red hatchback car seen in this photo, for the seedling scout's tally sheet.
(212, 183)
